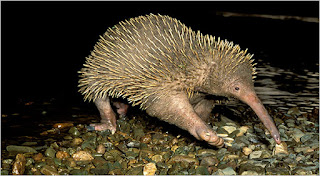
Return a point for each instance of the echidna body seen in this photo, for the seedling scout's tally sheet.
(158, 63)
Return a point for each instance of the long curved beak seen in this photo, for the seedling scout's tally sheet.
(254, 102)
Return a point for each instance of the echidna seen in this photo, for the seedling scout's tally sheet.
(167, 69)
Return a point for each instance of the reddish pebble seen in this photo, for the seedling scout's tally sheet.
(62, 125)
(38, 157)
(62, 155)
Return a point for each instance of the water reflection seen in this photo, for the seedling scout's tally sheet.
(283, 89)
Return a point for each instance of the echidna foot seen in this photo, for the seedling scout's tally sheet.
(104, 127)
(211, 137)
(122, 108)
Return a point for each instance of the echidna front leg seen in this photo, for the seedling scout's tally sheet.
(176, 109)
(203, 108)
(108, 117)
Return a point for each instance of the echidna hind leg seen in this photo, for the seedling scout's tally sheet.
(176, 109)
(203, 108)
(122, 108)
(108, 117)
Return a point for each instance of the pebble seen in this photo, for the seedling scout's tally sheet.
(228, 171)
(20, 149)
(281, 148)
(50, 152)
(297, 134)
(247, 151)
(62, 125)
(19, 165)
(243, 130)
(82, 156)
(62, 155)
(149, 169)
(74, 131)
(101, 149)
(48, 170)
(209, 161)
(76, 141)
(249, 173)
(255, 154)
(157, 158)
(229, 129)
(206, 152)
(183, 158)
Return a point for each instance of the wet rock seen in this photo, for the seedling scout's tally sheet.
(221, 153)
(133, 144)
(247, 151)
(4, 172)
(281, 149)
(242, 130)
(70, 162)
(82, 156)
(79, 172)
(277, 171)
(74, 131)
(255, 154)
(183, 158)
(209, 161)
(76, 141)
(201, 170)
(135, 171)
(50, 152)
(301, 171)
(229, 129)
(249, 173)
(7, 161)
(304, 149)
(19, 165)
(267, 154)
(294, 111)
(99, 170)
(157, 158)
(20, 149)
(206, 152)
(29, 161)
(62, 155)
(101, 149)
(37, 157)
(175, 169)
(48, 170)
(306, 137)
(149, 169)
(138, 133)
(228, 171)
(112, 155)
(62, 125)
(247, 168)
(132, 153)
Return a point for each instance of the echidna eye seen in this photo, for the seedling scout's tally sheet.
(237, 88)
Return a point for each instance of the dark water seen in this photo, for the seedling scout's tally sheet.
(282, 88)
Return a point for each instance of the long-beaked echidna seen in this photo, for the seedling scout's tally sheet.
(158, 63)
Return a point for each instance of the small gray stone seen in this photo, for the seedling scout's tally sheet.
(306, 137)
(255, 154)
(50, 152)
(20, 149)
(229, 171)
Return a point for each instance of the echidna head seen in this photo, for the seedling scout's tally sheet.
(233, 76)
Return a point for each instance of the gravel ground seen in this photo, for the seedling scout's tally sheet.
(145, 145)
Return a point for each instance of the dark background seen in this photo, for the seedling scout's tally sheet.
(44, 44)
